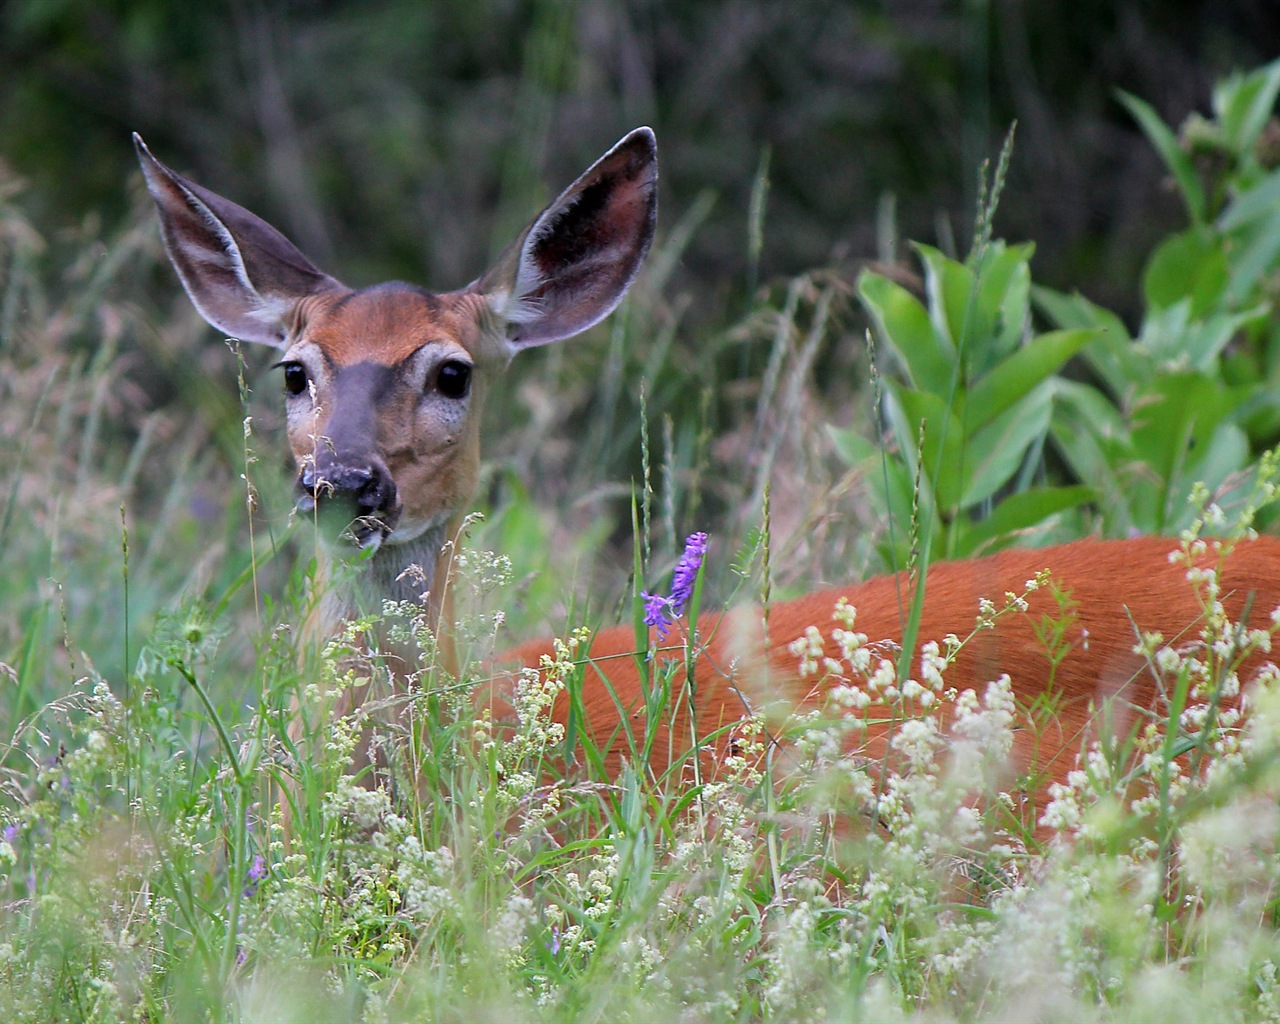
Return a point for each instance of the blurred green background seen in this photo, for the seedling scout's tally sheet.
(409, 138)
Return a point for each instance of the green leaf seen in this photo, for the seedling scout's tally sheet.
(903, 324)
(941, 457)
(1003, 301)
(1177, 341)
(1074, 312)
(1111, 353)
(949, 287)
(992, 454)
(1122, 364)
(1262, 200)
(1019, 513)
(1092, 437)
(1256, 258)
(1243, 103)
(1177, 415)
(896, 542)
(1190, 265)
(852, 446)
(1225, 453)
(1018, 374)
(1166, 144)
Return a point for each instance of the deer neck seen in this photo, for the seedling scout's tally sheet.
(415, 573)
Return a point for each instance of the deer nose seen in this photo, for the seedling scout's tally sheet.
(365, 487)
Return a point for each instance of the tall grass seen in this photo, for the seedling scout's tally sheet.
(148, 652)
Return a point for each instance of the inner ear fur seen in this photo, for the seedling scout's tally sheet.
(571, 266)
(243, 275)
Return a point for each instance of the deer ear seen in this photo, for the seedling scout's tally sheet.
(243, 275)
(572, 265)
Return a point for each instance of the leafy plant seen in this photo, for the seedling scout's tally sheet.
(988, 437)
(1194, 394)
(971, 412)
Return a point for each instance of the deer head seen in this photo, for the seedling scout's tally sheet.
(384, 385)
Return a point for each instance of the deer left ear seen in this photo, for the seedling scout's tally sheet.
(573, 264)
(244, 277)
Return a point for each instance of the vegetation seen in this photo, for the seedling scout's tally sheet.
(143, 867)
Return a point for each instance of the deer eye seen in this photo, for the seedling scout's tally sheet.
(453, 380)
(295, 378)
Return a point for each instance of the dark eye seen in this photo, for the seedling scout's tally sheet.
(454, 379)
(295, 378)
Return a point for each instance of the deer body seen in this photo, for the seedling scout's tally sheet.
(1110, 590)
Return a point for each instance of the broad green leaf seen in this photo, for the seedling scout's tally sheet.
(896, 542)
(941, 456)
(993, 453)
(1178, 414)
(1189, 265)
(1004, 304)
(1111, 353)
(1257, 256)
(1207, 338)
(1121, 363)
(1225, 453)
(1262, 200)
(1177, 341)
(1019, 513)
(1091, 436)
(1159, 502)
(903, 323)
(852, 446)
(1073, 312)
(1016, 375)
(1244, 103)
(1260, 412)
(1166, 144)
(949, 287)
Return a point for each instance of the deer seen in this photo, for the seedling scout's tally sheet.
(383, 390)
(384, 386)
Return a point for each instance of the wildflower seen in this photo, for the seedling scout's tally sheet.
(257, 872)
(686, 574)
(808, 649)
(659, 611)
(655, 612)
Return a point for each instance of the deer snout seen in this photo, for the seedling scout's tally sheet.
(359, 493)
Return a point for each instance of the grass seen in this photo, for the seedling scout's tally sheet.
(147, 639)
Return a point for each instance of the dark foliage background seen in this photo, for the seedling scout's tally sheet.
(409, 138)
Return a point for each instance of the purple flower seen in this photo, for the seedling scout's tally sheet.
(257, 872)
(656, 611)
(659, 611)
(686, 574)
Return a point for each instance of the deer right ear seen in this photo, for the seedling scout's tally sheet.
(242, 275)
(574, 263)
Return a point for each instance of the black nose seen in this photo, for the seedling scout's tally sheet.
(367, 489)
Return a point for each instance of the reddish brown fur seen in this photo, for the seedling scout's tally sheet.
(388, 323)
(1114, 586)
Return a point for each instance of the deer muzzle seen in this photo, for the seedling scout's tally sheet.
(355, 500)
